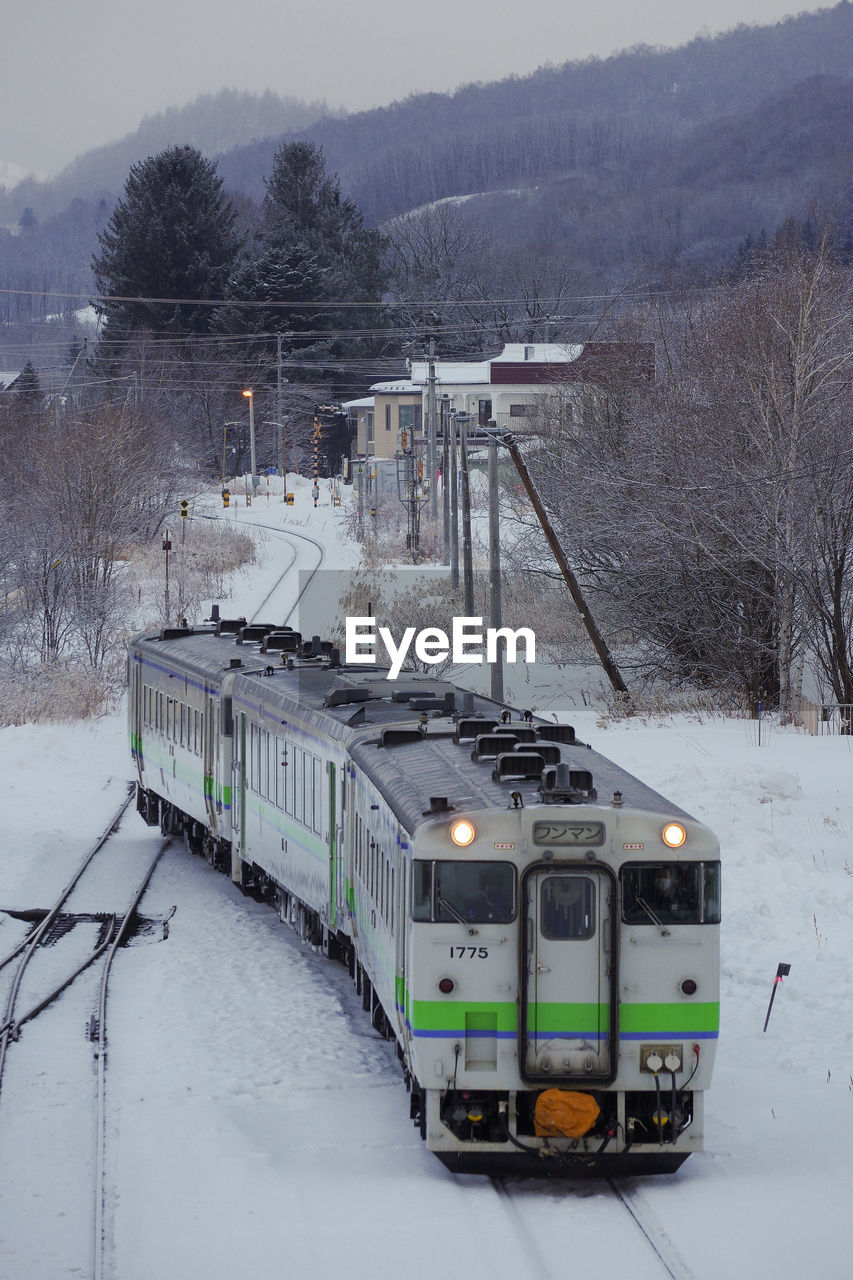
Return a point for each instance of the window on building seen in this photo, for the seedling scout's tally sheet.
(519, 410)
(411, 417)
(387, 417)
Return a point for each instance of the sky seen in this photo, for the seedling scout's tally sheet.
(256, 1124)
(73, 77)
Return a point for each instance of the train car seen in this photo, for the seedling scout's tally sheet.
(536, 930)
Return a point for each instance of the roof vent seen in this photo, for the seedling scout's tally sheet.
(235, 663)
(467, 727)
(341, 697)
(488, 746)
(254, 633)
(511, 765)
(549, 751)
(229, 626)
(437, 805)
(556, 732)
(399, 737)
(286, 641)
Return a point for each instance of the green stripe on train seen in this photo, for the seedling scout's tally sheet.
(666, 1019)
(436, 1015)
(703, 1015)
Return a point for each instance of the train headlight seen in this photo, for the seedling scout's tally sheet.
(674, 835)
(463, 832)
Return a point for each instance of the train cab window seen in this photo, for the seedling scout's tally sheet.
(664, 893)
(468, 892)
(567, 907)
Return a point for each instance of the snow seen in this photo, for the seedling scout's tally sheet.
(258, 1126)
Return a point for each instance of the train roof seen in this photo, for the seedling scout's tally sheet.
(413, 737)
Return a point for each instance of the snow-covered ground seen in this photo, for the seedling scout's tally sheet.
(259, 1127)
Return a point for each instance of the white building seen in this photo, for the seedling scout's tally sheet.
(503, 388)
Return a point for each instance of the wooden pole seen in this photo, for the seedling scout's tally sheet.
(612, 671)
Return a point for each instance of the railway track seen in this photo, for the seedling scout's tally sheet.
(523, 1202)
(303, 537)
(47, 1044)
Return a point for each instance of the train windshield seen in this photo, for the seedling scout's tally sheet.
(663, 893)
(468, 892)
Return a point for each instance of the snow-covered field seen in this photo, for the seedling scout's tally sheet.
(259, 1127)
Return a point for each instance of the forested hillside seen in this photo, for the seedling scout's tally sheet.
(611, 170)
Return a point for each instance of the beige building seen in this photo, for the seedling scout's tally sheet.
(503, 388)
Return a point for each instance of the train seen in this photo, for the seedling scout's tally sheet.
(534, 928)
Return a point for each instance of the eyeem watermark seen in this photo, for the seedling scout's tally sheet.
(432, 645)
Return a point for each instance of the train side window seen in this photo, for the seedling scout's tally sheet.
(297, 783)
(567, 907)
(307, 790)
(277, 780)
(664, 893)
(318, 797)
(288, 779)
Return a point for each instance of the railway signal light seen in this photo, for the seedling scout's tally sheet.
(185, 508)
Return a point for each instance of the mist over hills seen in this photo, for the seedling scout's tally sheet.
(214, 123)
(611, 166)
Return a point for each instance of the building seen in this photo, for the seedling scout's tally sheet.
(504, 388)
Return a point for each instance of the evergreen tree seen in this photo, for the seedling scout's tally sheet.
(28, 386)
(313, 249)
(171, 237)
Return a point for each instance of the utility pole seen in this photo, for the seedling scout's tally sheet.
(250, 396)
(497, 671)
(467, 555)
(432, 459)
(612, 671)
(445, 467)
(282, 452)
(454, 507)
(167, 547)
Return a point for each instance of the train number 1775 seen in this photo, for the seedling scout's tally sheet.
(473, 953)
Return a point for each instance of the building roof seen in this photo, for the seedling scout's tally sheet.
(8, 379)
(539, 352)
(534, 364)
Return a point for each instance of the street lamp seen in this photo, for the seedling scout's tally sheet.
(251, 398)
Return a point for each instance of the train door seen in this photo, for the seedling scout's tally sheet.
(334, 848)
(136, 702)
(569, 975)
(238, 793)
(210, 756)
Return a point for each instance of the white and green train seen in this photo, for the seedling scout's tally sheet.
(536, 929)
